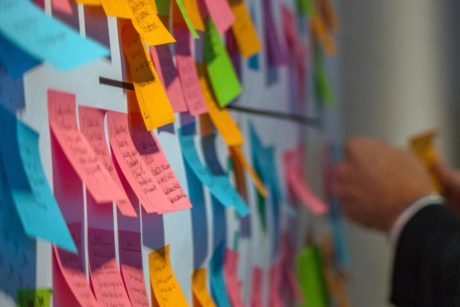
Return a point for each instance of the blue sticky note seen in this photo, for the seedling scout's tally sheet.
(16, 60)
(11, 91)
(219, 185)
(217, 281)
(45, 38)
(35, 203)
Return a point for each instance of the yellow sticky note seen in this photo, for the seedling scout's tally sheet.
(221, 118)
(117, 8)
(89, 2)
(201, 295)
(194, 14)
(320, 31)
(151, 96)
(243, 29)
(165, 287)
(238, 153)
(422, 145)
(148, 23)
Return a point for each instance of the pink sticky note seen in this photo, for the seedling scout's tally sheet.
(151, 153)
(68, 269)
(92, 127)
(132, 165)
(62, 118)
(231, 278)
(105, 278)
(256, 287)
(162, 59)
(275, 298)
(221, 14)
(299, 185)
(63, 6)
(188, 74)
(131, 267)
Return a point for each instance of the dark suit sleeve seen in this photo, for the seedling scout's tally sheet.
(426, 270)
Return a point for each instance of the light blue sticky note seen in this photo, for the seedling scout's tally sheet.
(16, 60)
(217, 281)
(36, 206)
(46, 38)
(219, 186)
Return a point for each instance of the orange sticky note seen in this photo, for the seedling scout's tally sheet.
(220, 117)
(238, 153)
(422, 145)
(151, 96)
(117, 8)
(165, 287)
(201, 295)
(243, 29)
(319, 30)
(148, 23)
(194, 14)
(89, 2)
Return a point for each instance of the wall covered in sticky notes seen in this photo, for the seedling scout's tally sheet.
(169, 153)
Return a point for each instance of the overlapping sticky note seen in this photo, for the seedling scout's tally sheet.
(188, 74)
(311, 277)
(152, 154)
(244, 31)
(165, 287)
(116, 8)
(231, 278)
(187, 16)
(132, 165)
(224, 80)
(220, 13)
(221, 118)
(92, 127)
(36, 206)
(130, 252)
(219, 185)
(151, 96)
(162, 58)
(46, 38)
(34, 297)
(256, 287)
(63, 124)
(297, 182)
(148, 23)
(201, 295)
(16, 60)
(69, 280)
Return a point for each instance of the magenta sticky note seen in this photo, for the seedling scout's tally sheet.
(163, 61)
(62, 119)
(133, 166)
(221, 14)
(92, 126)
(188, 74)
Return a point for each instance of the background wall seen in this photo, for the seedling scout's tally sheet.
(399, 69)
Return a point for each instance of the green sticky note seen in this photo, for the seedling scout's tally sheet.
(163, 7)
(34, 297)
(305, 7)
(188, 22)
(311, 277)
(323, 87)
(222, 75)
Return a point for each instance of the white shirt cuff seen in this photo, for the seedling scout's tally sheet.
(408, 213)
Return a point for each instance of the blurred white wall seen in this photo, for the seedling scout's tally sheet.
(395, 82)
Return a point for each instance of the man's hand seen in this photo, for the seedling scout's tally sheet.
(450, 181)
(375, 182)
